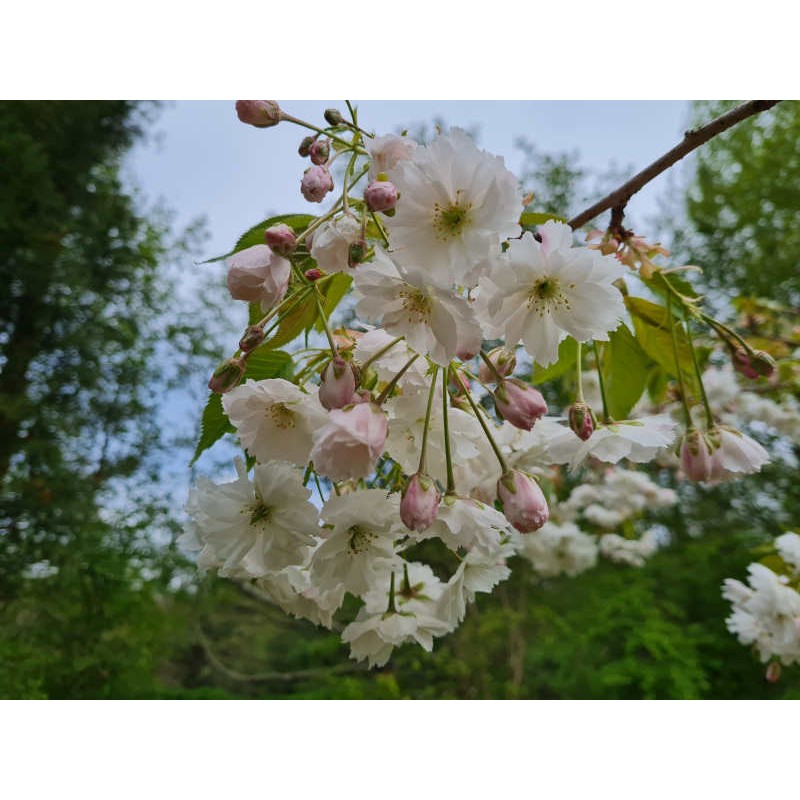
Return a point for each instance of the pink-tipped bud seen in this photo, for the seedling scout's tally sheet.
(380, 196)
(316, 183)
(337, 384)
(419, 505)
(251, 339)
(524, 503)
(261, 113)
(773, 672)
(581, 420)
(313, 274)
(753, 364)
(696, 456)
(320, 151)
(519, 404)
(227, 375)
(257, 275)
(281, 239)
(305, 146)
(503, 360)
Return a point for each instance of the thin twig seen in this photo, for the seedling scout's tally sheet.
(691, 140)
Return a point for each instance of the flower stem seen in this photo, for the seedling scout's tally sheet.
(451, 481)
(426, 426)
(393, 382)
(391, 609)
(380, 352)
(703, 395)
(321, 131)
(492, 368)
(606, 416)
(579, 366)
(681, 386)
(321, 310)
(482, 421)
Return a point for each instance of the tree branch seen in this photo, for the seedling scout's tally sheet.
(691, 140)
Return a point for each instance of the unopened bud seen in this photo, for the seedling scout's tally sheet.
(380, 196)
(419, 505)
(261, 113)
(337, 384)
(316, 183)
(313, 274)
(519, 404)
(524, 503)
(753, 364)
(333, 116)
(227, 375)
(773, 672)
(504, 362)
(281, 239)
(581, 420)
(695, 456)
(305, 146)
(356, 253)
(251, 339)
(319, 151)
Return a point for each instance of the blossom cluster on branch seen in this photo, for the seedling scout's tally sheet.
(404, 459)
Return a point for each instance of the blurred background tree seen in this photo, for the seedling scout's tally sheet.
(95, 603)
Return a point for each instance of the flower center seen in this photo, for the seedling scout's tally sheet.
(546, 294)
(282, 416)
(416, 304)
(260, 514)
(449, 221)
(359, 539)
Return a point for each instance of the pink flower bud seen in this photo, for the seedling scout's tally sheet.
(504, 361)
(261, 113)
(257, 275)
(227, 375)
(419, 505)
(337, 384)
(305, 146)
(524, 504)
(252, 338)
(281, 239)
(316, 183)
(773, 672)
(319, 151)
(350, 443)
(380, 196)
(695, 456)
(519, 404)
(313, 274)
(581, 420)
(753, 364)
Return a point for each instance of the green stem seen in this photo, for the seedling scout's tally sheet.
(579, 364)
(391, 609)
(426, 426)
(380, 352)
(706, 405)
(482, 421)
(324, 319)
(406, 590)
(379, 226)
(321, 131)
(606, 416)
(678, 370)
(725, 331)
(451, 481)
(492, 367)
(393, 382)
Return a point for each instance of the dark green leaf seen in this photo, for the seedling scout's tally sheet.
(267, 363)
(567, 357)
(213, 427)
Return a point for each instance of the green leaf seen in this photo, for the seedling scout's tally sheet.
(267, 363)
(214, 425)
(299, 319)
(678, 282)
(567, 358)
(261, 364)
(255, 235)
(651, 323)
(530, 219)
(624, 372)
(335, 289)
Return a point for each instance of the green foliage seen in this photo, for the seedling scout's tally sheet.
(255, 235)
(625, 366)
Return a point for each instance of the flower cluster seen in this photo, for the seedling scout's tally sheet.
(420, 422)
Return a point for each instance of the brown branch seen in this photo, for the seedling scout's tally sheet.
(691, 140)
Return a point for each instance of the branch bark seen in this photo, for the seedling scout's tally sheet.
(691, 140)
